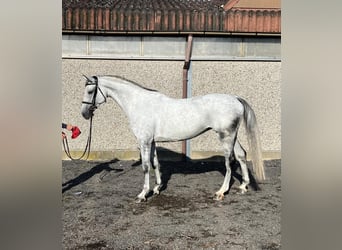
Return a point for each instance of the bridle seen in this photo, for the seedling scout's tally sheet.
(93, 102)
(92, 108)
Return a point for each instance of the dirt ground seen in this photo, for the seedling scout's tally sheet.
(99, 209)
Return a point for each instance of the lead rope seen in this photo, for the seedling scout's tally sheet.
(87, 148)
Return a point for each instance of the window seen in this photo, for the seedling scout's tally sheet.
(170, 48)
(235, 48)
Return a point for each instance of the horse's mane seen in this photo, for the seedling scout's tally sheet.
(129, 81)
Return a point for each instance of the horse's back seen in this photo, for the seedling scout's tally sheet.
(220, 104)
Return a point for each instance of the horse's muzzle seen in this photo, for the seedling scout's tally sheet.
(87, 113)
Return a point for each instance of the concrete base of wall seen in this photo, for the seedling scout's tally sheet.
(163, 155)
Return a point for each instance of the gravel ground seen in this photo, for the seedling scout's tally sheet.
(99, 209)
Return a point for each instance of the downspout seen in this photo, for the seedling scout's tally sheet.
(187, 88)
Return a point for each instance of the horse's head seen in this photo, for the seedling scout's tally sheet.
(93, 97)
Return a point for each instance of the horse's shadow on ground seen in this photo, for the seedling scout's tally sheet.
(105, 166)
(171, 163)
(185, 165)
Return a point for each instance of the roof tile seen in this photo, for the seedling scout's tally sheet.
(168, 16)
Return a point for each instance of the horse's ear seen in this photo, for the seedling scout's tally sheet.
(86, 77)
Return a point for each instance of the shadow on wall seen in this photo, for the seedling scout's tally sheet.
(170, 163)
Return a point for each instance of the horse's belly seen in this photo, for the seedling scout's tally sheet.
(180, 129)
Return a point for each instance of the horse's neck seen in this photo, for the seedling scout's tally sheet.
(124, 94)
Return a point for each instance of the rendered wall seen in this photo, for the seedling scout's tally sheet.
(257, 82)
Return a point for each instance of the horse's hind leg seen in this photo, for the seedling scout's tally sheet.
(145, 151)
(156, 167)
(228, 140)
(240, 156)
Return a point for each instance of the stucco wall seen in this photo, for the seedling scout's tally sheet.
(257, 82)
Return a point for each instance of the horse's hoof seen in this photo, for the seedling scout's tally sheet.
(243, 190)
(156, 190)
(218, 197)
(139, 200)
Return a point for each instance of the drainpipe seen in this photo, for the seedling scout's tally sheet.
(187, 88)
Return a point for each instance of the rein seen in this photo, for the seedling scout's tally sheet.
(91, 109)
(87, 147)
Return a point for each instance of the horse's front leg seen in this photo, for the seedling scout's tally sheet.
(145, 151)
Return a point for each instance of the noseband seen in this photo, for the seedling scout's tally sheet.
(93, 102)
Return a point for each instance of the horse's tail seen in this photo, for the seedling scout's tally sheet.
(253, 140)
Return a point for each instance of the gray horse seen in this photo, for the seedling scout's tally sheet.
(155, 117)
